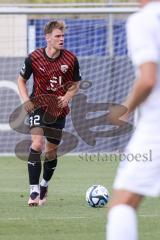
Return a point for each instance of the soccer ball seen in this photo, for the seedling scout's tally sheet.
(97, 196)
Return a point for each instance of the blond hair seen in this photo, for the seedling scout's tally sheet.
(51, 25)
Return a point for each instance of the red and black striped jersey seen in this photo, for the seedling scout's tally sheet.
(51, 76)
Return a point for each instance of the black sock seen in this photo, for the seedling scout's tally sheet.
(49, 167)
(34, 167)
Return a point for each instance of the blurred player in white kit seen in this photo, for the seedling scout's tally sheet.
(141, 177)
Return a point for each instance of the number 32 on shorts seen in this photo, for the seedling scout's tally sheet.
(34, 120)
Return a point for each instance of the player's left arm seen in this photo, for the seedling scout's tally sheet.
(144, 53)
(141, 89)
(142, 86)
(73, 89)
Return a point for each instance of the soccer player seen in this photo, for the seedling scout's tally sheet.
(56, 79)
(141, 177)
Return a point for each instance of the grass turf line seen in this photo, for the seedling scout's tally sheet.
(66, 215)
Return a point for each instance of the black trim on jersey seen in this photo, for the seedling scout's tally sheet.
(26, 70)
(76, 71)
(51, 59)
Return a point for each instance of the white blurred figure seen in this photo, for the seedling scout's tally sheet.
(141, 176)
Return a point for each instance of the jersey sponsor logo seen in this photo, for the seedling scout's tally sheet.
(55, 83)
(64, 68)
(42, 69)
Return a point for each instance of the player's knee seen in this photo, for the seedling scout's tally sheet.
(37, 146)
(126, 198)
(133, 200)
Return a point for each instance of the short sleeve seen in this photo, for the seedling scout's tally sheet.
(76, 71)
(26, 69)
(142, 45)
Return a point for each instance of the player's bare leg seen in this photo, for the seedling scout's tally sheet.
(49, 165)
(122, 214)
(125, 197)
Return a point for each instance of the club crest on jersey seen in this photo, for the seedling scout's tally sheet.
(64, 68)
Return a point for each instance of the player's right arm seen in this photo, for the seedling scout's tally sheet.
(24, 75)
(143, 51)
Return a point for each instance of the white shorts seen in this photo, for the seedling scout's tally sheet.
(140, 171)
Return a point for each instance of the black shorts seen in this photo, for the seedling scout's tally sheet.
(52, 127)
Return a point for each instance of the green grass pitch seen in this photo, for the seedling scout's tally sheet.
(66, 215)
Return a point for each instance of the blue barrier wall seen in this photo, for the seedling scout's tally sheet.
(87, 37)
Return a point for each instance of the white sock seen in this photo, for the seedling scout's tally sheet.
(122, 223)
(34, 188)
(44, 183)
